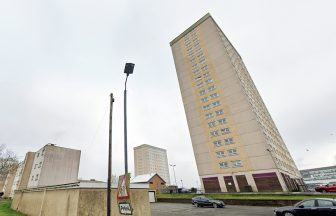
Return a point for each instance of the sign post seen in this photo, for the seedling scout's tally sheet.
(123, 196)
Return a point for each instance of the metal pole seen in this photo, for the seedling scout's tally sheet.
(181, 183)
(125, 127)
(108, 199)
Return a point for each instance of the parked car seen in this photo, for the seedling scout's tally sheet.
(201, 201)
(326, 188)
(310, 207)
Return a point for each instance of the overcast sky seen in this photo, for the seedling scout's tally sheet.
(60, 59)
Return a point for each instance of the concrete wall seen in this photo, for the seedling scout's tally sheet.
(76, 202)
(1, 185)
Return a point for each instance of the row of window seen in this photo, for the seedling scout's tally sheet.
(230, 152)
(209, 89)
(227, 141)
(217, 112)
(233, 164)
(215, 123)
(209, 106)
(222, 131)
(212, 96)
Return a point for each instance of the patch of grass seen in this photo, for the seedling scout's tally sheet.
(5, 209)
(251, 196)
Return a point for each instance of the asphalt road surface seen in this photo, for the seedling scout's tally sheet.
(170, 209)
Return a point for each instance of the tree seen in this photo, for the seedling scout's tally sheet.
(8, 161)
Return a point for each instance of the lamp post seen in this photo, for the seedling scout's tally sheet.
(181, 183)
(129, 67)
(173, 166)
(108, 198)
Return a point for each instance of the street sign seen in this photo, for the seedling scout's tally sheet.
(125, 208)
(123, 195)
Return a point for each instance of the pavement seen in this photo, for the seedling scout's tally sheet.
(182, 209)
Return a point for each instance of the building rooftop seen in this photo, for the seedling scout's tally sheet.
(206, 16)
(319, 168)
(144, 178)
(148, 146)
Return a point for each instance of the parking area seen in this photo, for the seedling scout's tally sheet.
(181, 209)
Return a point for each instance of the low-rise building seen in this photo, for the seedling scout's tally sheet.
(318, 176)
(54, 165)
(154, 181)
(9, 183)
(22, 173)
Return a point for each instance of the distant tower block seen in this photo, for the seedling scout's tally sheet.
(236, 143)
(150, 159)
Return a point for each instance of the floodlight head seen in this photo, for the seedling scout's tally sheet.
(129, 67)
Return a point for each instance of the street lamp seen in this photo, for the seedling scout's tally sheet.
(173, 165)
(181, 183)
(129, 67)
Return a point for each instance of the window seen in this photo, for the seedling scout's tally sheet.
(214, 133)
(38, 154)
(324, 203)
(220, 154)
(32, 178)
(212, 124)
(208, 81)
(211, 88)
(206, 107)
(214, 104)
(228, 141)
(205, 99)
(207, 74)
(36, 177)
(209, 115)
(222, 121)
(35, 166)
(215, 95)
(195, 71)
(223, 165)
(217, 143)
(308, 203)
(232, 152)
(225, 131)
(205, 67)
(198, 78)
(219, 112)
(199, 84)
(202, 92)
(40, 164)
(237, 163)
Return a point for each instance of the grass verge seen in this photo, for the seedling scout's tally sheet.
(5, 209)
(246, 196)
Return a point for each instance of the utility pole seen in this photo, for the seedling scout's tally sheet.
(173, 165)
(108, 199)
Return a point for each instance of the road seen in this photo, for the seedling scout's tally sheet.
(170, 209)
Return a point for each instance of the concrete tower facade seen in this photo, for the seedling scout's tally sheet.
(236, 144)
(150, 159)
